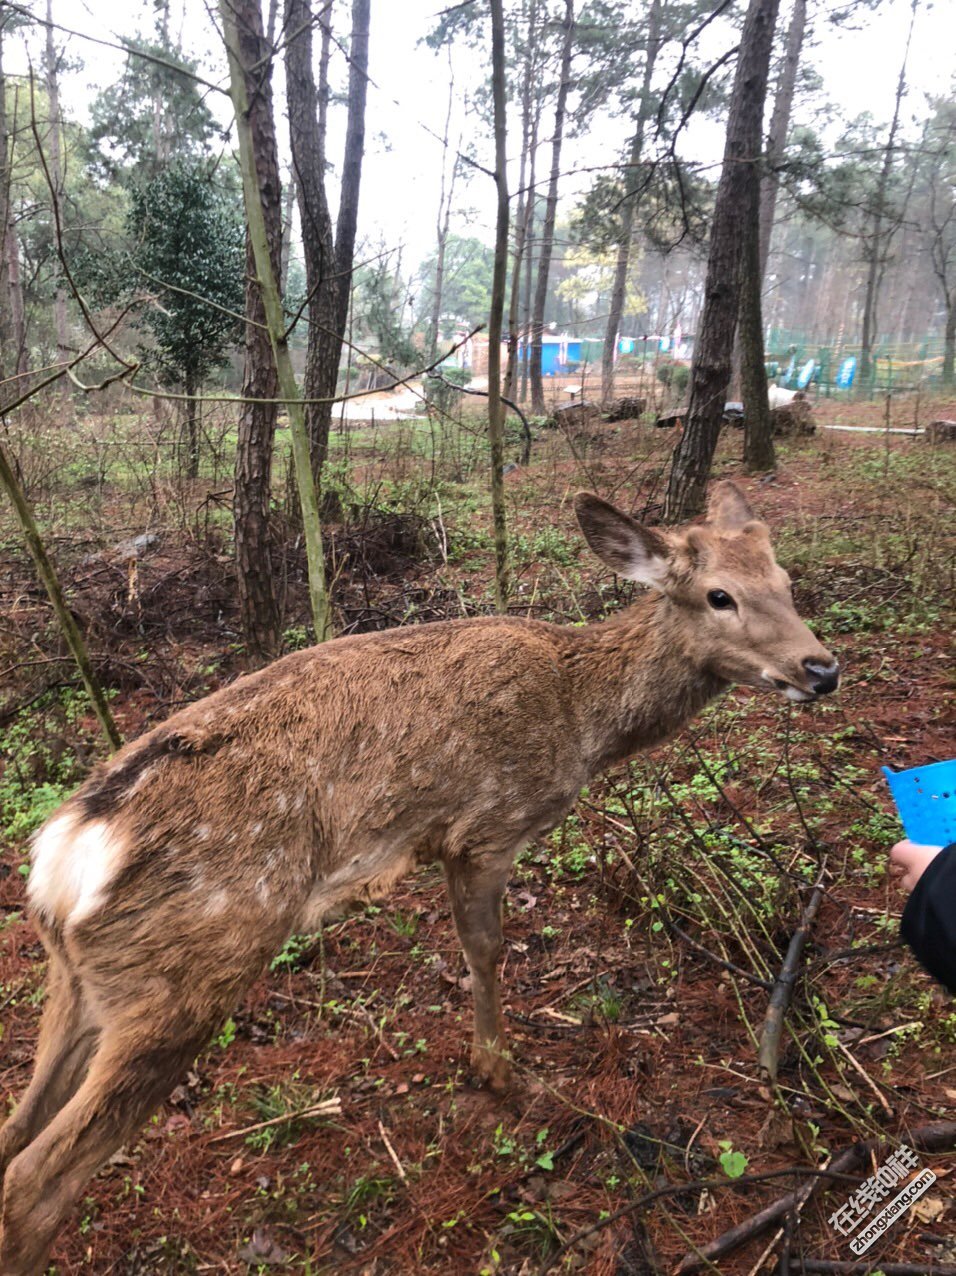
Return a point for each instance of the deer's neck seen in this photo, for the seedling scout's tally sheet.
(636, 681)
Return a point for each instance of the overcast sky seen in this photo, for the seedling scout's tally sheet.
(408, 95)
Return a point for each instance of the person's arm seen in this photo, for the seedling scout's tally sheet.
(929, 918)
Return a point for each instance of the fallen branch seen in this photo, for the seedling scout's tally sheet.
(939, 1136)
(861, 1071)
(328, 1107)
(849, 1268)
(392, 1153)
(769, 1052)
(675, 1189)
(738, 1235)
(682, 934)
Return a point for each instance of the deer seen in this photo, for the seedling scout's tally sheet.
(163, 887)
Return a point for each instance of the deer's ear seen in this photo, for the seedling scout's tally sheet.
(628, 548)
(727, 507)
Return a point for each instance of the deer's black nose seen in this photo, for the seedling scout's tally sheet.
(823, 678)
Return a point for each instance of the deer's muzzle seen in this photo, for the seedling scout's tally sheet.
(824, 678)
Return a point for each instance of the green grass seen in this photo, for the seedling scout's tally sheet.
(37, 771)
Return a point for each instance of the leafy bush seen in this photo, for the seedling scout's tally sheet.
(674, 375)
(443, 391)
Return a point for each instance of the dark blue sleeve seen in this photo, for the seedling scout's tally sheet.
(929, 918)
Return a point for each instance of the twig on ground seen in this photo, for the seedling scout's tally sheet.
(565, 993)
(783, 1267)
(328, 1107)
(705, 952)
(769, 1051)
(861, 1071)
(812, 842)
(939, 1136)
(392, 1153)
(696, 1185)
(846, 1267)
(861, 950)
(889, 1032)
(753, 1226)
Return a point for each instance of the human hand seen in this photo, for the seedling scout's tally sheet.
(910, 860)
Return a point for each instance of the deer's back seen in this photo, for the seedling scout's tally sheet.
(322, 778)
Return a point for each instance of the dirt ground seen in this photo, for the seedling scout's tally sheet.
(642, 938)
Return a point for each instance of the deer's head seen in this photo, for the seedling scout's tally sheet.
(731, 601)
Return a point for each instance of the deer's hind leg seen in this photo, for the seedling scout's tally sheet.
(476, 887)
(135, 1066)
(68, 1036)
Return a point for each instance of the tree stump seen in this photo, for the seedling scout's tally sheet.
(627, 408)
(573, 416)
(793, 420)
(940, 432)
(667, 420)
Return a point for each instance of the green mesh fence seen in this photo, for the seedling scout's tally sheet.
(894, 367)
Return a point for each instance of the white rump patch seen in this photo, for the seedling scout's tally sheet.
(72, 864)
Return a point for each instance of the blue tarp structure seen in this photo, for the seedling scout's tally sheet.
(556, 355)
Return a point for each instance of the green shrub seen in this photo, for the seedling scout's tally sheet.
(443, 392)
(674, 375)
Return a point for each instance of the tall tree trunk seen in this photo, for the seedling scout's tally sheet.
(434, 323)
(13, 334)
(347, 221)
(496, 412)
(288, 208)
(525, 195)
(759, 452)
(160, 138)
(307, 137)
(527, 253)
(192, 426)
(17, 313)
(244, 76)
(776, 147)
(710, 374)
(780, 126)
(629, 207)
(514, 290)
(443, 222)
(258, 607)
(329, 256)
(272, 16)
(758, 433)
(876, 249)
(57, 181)
(949, 342)
(6, 332)
(550, 213)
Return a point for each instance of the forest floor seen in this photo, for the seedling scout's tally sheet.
(642, 937)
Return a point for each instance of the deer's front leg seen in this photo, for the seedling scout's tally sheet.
(476, 887)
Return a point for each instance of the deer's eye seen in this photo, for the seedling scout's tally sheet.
(719, 600)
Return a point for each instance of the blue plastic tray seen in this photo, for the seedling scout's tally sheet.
(925, 797)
